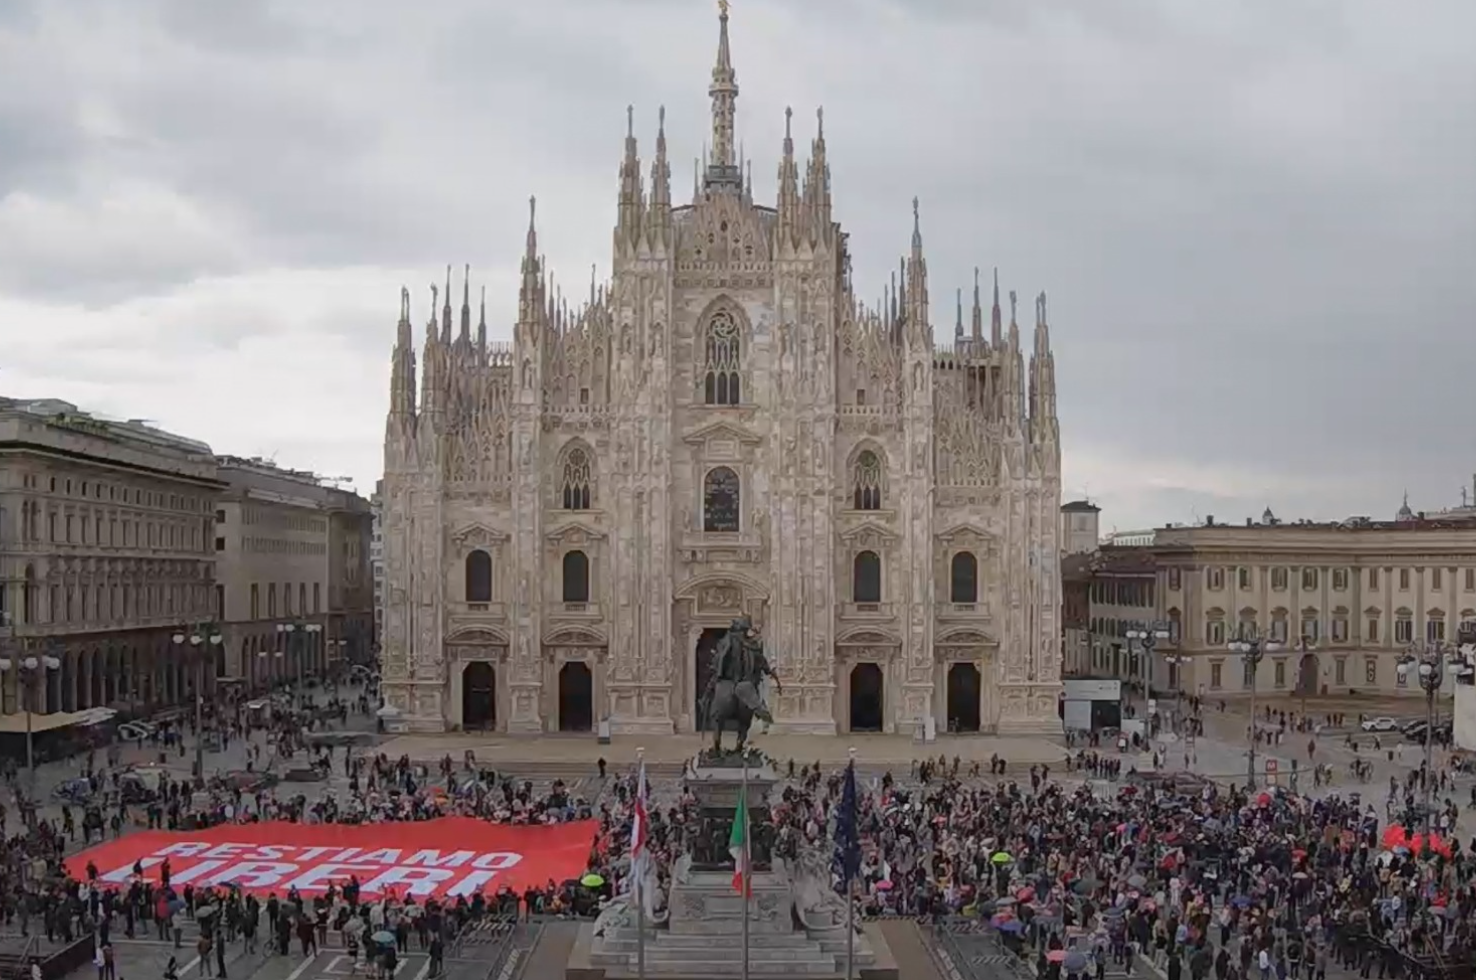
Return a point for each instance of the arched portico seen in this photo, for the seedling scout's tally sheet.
(476, 661)
(964, 665)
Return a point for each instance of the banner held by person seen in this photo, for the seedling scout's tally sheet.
(448, 857)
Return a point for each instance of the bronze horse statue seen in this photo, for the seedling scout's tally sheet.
(732, 700)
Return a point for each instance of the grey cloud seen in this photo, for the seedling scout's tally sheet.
(1255, 220)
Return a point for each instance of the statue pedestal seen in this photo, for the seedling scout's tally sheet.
(701, 935)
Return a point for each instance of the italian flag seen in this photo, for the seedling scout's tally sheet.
(738, 847)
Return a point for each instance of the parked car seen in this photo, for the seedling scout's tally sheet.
(1380, 724)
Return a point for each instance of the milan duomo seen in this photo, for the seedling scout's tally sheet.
(571, 520)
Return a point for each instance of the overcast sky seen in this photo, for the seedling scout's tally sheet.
(1256, 220)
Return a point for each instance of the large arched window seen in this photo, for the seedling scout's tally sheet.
(722, 360)
(722, 497)
(866, 577)
(479, 577)
(866, 482)
(576, 480)
(963, 578)
(576, 576)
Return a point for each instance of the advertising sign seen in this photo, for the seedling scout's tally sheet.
(447, 857)
(1088, 689)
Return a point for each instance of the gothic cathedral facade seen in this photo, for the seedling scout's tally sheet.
(571, 519)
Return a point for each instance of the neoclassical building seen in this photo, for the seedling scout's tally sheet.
(570, 520)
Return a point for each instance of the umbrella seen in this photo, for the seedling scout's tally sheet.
(1001, 919)
(1242, 901)
(1012, 926)
(591, 881)
(384, 937)
(1137, 881)
(1056, 956)
(884, 886)
(1005, 902)
(1085, 886)
(1001, 857)
(1076, 962)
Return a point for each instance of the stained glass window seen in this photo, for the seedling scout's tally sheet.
(964, 578)
(721, 499)
(867, 482)
(721, 361)
(866, 577)
(576, 480)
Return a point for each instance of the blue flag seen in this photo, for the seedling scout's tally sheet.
(847, 831)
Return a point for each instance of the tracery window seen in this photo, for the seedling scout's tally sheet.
(721, 499)
(576, 487)
(722, 360)
(867, 480)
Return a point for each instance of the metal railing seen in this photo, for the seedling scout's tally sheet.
(970, 949)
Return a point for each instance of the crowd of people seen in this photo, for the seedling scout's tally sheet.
(1075, 870)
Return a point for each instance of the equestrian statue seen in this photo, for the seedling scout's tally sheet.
(732, 698)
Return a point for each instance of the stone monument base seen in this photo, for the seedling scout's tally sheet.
(702, 932)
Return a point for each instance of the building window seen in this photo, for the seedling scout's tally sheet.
(1371, 672)
(1247, 675)
(1217, 670)
(220, 517)
(1311, 629)
(963, 578)
(576, 576)
(1403, 629)
(220, 609)
(1340, 580)
(721, 499)
(1404, 580)
(1437, 579)
(317, 598)
(1401, 678)
(1174, 579)
(722, 360)
(1243, 575)
(478, 576)
(867, 480)
(1373, 578)
(576, 480)
(1435, 628)
(302, 598)
(271, 599)
(1340, 629)
(1216, 578)
(1278, 626)
(1214, 632)
(1278, 579)
(287, 599)
(1279, 679)
(1176, 626)
(1309, 579)
(1470, 580)
(866, 583)
(1372, 632)
(1340, 671)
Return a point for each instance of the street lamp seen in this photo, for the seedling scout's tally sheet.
(201, 639)
(305, 630)
(31, 669)
(1428, 663)
(1252, 650)
(1147, 637)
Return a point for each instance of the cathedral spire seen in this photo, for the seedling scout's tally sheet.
(446, 310)
(978, 317)
(722, 167)
(402, 368)
(789, 195)
(466, 304)
(996, 325)
(660, 211)
(817, 183)
(482, 324)
(531, 292)
(628, 220)
(916, 277)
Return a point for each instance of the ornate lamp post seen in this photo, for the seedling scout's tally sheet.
(1252, 650)
(1428, 662)
(202, 640)
(304, 630)
(1147, 638)
(31, 669)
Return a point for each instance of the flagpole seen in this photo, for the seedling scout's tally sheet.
(747, 867)
(639, 867)
(851, 898)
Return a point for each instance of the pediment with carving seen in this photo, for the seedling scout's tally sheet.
(477, 535)
(868, 534)
(722, 440)
(966, 532)
(574, 533)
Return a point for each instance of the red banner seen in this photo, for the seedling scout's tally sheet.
(451, 856)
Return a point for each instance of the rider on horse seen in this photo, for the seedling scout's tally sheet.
(732, 691)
